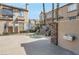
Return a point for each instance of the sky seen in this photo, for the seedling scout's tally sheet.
(34, 8)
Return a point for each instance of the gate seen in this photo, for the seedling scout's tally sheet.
(54, 33)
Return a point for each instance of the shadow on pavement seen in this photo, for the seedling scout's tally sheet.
(44, 47)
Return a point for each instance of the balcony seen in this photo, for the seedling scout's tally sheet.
(20, 18)
(6, 12)
(6, 18)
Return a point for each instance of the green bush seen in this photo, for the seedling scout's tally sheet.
(32, 31)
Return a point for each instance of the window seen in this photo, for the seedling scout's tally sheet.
(72, 7)
(73, 17)
(61, 17)
(21, 13)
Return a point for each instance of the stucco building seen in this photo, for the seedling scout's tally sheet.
(12, 19)
(67, 31)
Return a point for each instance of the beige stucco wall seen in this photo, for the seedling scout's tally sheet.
(69, 27)
(26, 20)
(21, 27)
(26, 16)
(2, 27)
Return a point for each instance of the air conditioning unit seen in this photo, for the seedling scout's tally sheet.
(69, 37)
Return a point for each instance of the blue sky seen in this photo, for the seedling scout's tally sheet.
(34, 8)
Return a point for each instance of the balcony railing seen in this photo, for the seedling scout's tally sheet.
(6, 18)
(6, 12)
(20, 18)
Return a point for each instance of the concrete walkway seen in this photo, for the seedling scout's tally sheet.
(42, 46)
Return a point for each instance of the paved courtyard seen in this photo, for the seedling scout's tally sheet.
(25, 44)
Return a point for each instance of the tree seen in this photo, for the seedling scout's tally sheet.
(44, 15)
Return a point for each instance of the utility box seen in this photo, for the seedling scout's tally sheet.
(69, 37)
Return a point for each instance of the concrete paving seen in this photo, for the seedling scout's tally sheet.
(11, 44)
(42, 46)
(23, 44)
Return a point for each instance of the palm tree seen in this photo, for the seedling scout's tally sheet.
(52, 11)
(44, 13)
(57, 11)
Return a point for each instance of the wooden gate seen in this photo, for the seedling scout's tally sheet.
(54, 33)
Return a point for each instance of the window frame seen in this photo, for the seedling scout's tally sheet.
(21, 13)
(72, 7)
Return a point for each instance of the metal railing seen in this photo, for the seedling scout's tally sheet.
(6, 12)
(6, 18)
